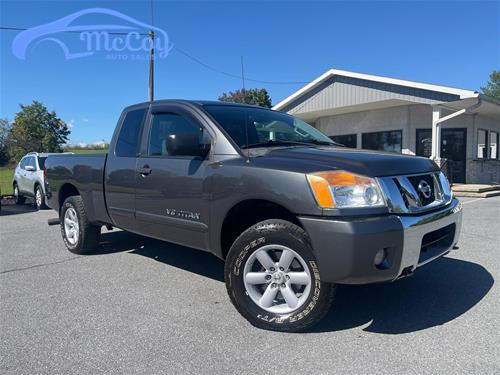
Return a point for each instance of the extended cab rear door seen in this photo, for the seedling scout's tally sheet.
(120, 179)
(172, 196)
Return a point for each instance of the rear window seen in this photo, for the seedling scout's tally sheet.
(41, 162)
(128, 139)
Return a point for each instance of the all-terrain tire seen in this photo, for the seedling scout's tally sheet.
(285, 235)
(87, 236)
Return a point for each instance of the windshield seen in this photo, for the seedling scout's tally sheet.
(255, 127)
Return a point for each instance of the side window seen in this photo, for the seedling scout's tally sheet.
(128, 139)
(164, 125)
(348, 140)
(389, 141)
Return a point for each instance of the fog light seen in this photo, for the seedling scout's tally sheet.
(380, 257)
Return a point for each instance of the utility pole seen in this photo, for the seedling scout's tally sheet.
(242, 74)
(151, 65)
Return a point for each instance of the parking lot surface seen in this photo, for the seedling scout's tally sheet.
(145, 306)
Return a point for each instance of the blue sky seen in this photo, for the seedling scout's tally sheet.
(449, 43)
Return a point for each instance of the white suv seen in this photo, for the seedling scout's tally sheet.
(29, 179)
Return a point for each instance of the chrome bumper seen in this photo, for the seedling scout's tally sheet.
(416, 227)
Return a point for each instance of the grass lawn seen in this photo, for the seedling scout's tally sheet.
(87, 151)
(6, 174)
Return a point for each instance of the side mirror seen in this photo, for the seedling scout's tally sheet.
(29, 168)
(188, 144)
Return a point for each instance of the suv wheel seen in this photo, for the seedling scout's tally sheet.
(40, 198)
(273, 280)
(19, 199)
(79, 235)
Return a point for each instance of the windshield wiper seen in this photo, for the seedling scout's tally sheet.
(272, 143)
(320, 142)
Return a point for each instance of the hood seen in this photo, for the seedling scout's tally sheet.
(364, 162)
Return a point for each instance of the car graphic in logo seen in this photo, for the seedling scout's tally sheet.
(425, 189)
(95, 38)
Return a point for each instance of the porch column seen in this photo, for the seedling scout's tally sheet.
(436, 134)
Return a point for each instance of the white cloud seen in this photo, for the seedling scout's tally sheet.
(70, 123)
(84, 119)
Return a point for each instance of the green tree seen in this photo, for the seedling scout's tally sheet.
(493, 86)
(4, 141)
(36, 129)
(258, 97)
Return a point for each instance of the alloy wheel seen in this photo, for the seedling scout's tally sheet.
(277, 279)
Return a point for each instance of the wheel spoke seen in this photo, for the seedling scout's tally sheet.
(268, 297)
(286, 259)
(264, 259)
(68, 222)
(289, 296)
(255, 278)
(300, 278)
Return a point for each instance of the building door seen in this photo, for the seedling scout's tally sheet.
(453, 148)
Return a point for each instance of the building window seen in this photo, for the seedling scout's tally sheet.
(390, 141)
(482, 147)
(494, 145)
(348, 140)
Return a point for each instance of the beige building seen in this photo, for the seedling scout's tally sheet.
(458, 128)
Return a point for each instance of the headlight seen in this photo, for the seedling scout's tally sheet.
(341, 189)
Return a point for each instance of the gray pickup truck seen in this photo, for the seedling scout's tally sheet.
(292, 213)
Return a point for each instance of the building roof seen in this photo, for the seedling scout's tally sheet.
(459, 93)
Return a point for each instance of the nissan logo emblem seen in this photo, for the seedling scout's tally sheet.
(425, 189)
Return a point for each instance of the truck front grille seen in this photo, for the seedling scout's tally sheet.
(414, 193)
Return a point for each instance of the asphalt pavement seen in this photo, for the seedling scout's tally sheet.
(145, 306)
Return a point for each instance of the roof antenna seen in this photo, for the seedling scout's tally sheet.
(151, 56)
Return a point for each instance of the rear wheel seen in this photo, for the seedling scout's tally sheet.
(273, 280)
(40, 198)
(19, 199)
(79, 235)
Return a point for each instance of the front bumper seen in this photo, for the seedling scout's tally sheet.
(345, 248)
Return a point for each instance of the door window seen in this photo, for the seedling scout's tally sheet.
(481, 144)
(23, 162)
(128, 139)
(165, 125)
(30, 161)
(494, 145)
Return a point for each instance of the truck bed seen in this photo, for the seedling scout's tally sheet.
(86, 173)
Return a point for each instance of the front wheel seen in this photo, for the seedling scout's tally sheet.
(79, 235)
(18, 198)
(273, 280)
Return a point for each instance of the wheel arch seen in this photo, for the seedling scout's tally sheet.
(66, 190)
(246, 213)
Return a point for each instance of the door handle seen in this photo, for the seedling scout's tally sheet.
(145, 170)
